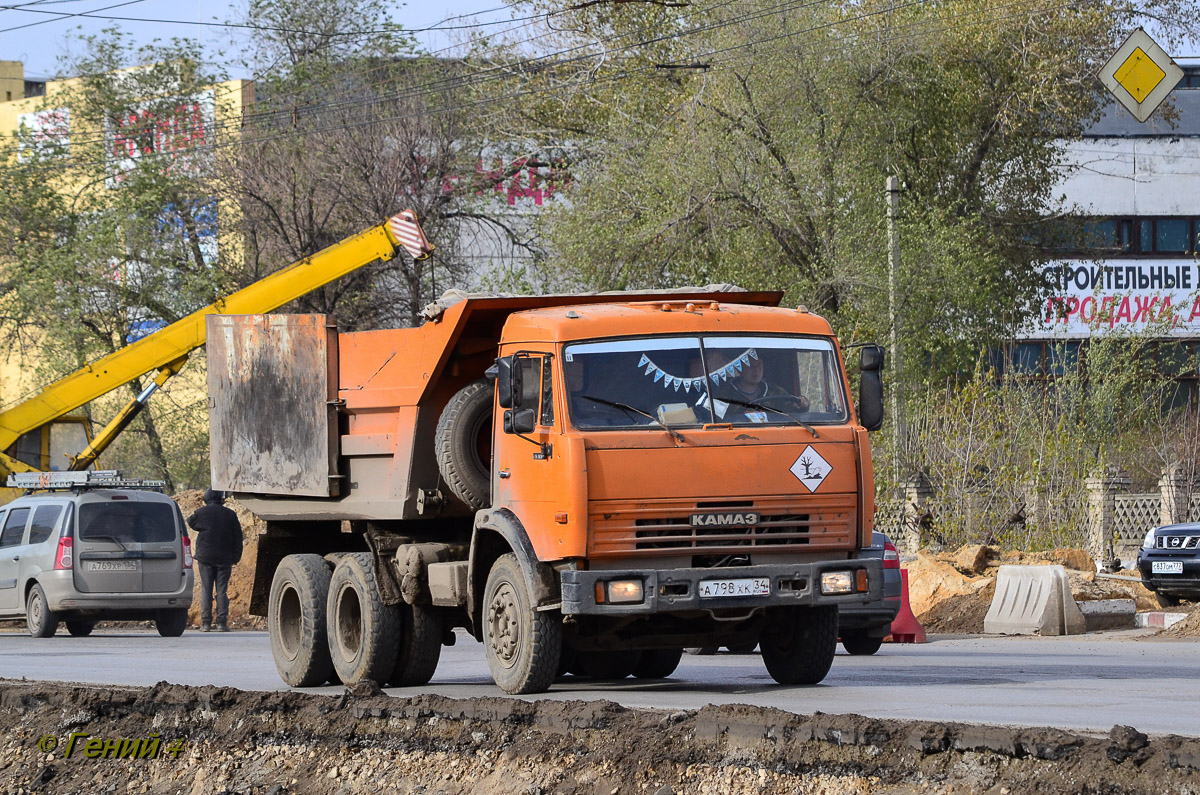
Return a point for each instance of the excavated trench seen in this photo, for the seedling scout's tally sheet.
(175, 739)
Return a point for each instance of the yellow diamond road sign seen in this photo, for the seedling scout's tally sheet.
(1140, 74)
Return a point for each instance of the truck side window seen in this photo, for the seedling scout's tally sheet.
(14, 527)
(531, 380)
(547, 393)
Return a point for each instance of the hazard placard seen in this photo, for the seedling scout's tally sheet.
(1140, 74)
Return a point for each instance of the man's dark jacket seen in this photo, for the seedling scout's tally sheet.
(218, 535)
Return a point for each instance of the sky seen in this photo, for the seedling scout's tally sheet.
(39, 32)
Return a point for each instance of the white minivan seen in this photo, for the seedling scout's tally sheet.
(81, 547)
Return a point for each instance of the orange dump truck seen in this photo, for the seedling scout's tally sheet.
(587, 483)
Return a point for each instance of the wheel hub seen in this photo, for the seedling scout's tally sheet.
(504, 625)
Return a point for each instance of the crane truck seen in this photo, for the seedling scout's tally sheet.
(41, 432)
(587, 484)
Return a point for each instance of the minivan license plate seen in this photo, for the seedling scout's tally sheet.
(749, 586)
(1166, 567)
(112, 565)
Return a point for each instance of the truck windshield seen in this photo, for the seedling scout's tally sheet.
(682, 381)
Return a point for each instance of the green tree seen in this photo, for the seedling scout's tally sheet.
(750, 142)
(108, 225)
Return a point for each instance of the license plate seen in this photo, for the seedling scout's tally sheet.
(1166, 567)
(749, 586)
(112, 565)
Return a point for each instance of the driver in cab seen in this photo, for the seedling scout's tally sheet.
(747, 388)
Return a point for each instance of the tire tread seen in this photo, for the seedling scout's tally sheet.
(313, 665)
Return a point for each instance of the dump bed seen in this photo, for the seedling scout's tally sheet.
(306, 422)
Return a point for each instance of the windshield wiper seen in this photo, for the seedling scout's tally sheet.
(114, 539)
(628, 408)
(753, 404)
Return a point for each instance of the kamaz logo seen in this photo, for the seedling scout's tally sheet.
(744, 519)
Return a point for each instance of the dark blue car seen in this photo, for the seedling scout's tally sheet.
(1169, 562)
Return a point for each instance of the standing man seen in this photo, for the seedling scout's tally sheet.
(218, 547)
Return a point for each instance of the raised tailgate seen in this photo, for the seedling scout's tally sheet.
(272, 386)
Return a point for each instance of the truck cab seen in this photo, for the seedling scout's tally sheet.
(588, 484)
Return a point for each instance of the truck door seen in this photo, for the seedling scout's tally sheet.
(532, 468)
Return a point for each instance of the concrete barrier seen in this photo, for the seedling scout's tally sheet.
(1103, 614)
(1033, 600)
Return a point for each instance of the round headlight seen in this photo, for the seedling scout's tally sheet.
(1148, 541)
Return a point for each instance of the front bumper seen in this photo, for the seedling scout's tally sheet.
(1186, 583)
(677, 590)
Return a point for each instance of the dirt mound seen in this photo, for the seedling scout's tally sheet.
(961, 614)
(241, 581)
(951, 592)
(224, 740)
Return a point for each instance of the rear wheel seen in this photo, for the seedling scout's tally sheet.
(296, 620)
(420, 645)
(523, 646)
(170, 622)
(80, 629)
(41, 620)
(799, 643)
(610, 664)
(364, 633)
(858, 643)
(658, 663)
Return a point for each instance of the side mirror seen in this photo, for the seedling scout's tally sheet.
(520, 421)
(871, 358)
(870, 399)
(508, 383)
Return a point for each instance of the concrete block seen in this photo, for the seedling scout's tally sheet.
(1157, 619)
(1109, 614)
(1033, 600)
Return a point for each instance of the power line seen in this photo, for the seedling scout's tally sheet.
(248, 26)
(625, 74)
(490, 74)
(58, 16)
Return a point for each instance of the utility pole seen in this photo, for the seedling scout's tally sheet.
(898, 426)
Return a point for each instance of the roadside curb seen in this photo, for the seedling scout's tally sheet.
(1159, 619)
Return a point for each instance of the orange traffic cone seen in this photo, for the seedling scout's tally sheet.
(905, 627)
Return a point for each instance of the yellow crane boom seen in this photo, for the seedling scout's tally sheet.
(167, 349)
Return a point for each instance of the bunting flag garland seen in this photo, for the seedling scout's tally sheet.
(675, 382)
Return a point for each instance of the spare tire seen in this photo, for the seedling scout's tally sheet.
(463, 443)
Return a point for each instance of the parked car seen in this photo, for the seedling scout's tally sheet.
(863, 628)
(79, 552)
(1169, 562)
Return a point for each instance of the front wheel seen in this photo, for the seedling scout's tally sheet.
(799, 643)
(1166, 600)
(658, 663)
(41, 620)
(522, 645)
(604, 665)
(857, 643)
(170, 622)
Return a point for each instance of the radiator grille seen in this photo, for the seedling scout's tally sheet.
(785, 523)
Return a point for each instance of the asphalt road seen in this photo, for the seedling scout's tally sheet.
(1087, 683)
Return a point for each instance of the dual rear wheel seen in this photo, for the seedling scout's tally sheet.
(328, 622)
